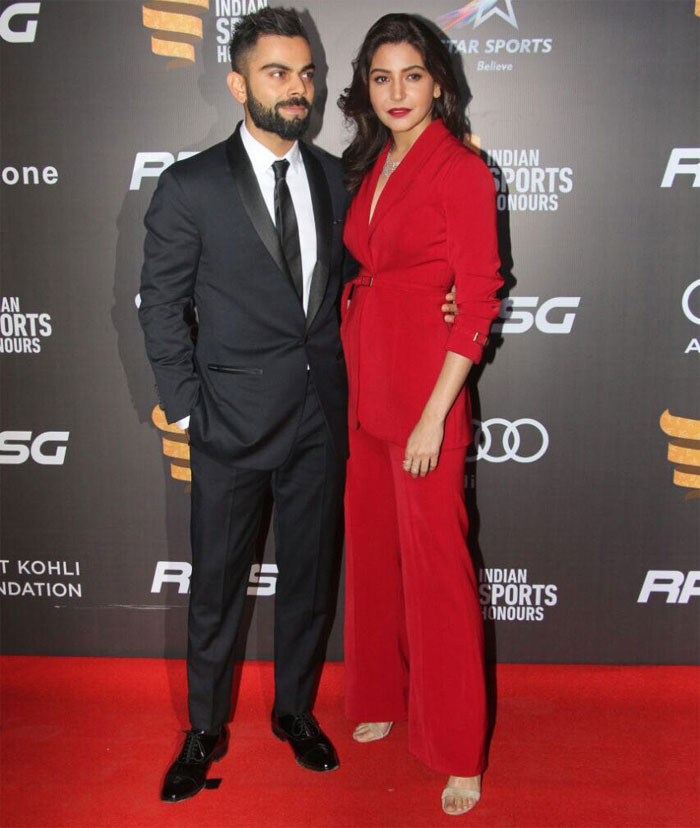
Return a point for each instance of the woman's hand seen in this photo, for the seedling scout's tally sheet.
(423, 447)
(424, 444)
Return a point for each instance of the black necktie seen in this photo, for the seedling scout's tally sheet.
(286, 222)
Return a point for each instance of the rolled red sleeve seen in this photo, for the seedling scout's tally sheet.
(472, 253)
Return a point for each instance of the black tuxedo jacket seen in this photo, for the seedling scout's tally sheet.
(210, 239)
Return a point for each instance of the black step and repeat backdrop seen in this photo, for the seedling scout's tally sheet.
(583, 492)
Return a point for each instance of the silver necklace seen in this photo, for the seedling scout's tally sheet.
(389, 165)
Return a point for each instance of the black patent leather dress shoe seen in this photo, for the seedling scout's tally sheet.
(312, 748)
(188, 773)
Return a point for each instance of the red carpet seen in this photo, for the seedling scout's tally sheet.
(86, 741)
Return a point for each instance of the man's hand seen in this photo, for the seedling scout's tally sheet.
(450, 308)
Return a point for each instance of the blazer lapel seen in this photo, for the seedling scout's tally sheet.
(323, 218)
(407, 172)
(253, 202)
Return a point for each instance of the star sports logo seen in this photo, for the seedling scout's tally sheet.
(502, 53)
(478, 12)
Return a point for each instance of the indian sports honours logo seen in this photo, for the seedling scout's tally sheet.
(509, 595)
(525, 182)
(22, 332)
(228, 13)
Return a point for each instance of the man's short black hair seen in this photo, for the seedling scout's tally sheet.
(266, 21)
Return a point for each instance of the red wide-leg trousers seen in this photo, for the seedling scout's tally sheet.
(413, 628)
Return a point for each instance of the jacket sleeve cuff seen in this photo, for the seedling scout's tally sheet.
(182, 403)
(469, 344)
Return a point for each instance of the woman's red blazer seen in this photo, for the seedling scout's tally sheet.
(434, 225)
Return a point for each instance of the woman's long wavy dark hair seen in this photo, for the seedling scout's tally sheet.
(370, 134)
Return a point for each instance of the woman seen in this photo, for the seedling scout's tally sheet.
(423, 217)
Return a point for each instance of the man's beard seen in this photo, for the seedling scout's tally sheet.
(271, 120)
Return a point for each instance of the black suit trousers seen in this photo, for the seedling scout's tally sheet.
(227, 504)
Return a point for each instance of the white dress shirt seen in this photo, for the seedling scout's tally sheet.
(262, 160)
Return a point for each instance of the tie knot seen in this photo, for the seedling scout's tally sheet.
(280, 168)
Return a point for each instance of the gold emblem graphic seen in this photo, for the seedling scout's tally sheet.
(175, 446)
(177, 27)
(683, 450)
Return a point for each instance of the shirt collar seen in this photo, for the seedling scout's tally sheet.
(262, 158)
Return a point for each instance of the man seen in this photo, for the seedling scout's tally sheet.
(250, 230)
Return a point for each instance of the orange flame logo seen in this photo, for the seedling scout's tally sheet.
(683, 450)
(175, 446)
(176, 28)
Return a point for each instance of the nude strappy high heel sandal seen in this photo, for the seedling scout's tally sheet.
(462, 793)
(376, 731)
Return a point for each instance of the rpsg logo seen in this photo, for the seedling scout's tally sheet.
(152, 164)
(500, 49)
(47, 449)
(553, 316)
(262, 580)
(18, 22)
(677, 587)
(682, 161)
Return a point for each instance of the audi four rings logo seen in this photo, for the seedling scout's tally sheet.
(512, 437)
(685, 302)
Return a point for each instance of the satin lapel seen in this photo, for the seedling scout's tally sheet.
(408, 172)
(323, 218)
(253, 202)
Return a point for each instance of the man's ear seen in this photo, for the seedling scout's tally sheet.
(236, 86)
